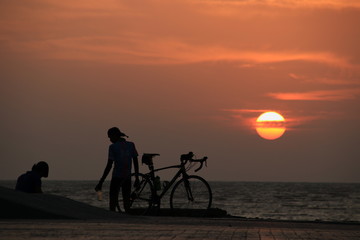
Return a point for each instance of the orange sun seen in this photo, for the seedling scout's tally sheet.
(270, 125)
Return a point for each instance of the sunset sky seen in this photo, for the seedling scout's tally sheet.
(179, 76)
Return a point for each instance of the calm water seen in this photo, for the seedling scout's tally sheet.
(281, 201)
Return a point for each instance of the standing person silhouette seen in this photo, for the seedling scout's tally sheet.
(30, 181)
(122, 153)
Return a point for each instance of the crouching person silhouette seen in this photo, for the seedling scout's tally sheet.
(121, 153)
(30, 181)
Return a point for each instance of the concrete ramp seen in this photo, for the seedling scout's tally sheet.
(19, 205)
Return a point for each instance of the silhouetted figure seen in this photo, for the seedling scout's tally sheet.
(122, 153)
(30, 181)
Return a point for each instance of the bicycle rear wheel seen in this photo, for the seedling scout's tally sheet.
(192, 192)
(141, 195)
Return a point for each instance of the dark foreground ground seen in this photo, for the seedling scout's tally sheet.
(41, 216)
(173, 228)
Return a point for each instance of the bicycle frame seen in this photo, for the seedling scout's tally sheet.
(180, 172)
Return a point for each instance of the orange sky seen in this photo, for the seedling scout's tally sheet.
(179, 76)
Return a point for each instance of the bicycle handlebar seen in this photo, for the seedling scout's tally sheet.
(189, 157)
(201, 162)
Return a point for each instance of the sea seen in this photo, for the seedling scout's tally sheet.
(329, 202)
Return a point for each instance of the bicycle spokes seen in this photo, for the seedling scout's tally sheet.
(188, 190)
(191, 193)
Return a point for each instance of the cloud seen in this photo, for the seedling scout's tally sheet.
(337, 4)
(274, 57)
(334, 81)
(245, 119)
(247, 110)
(296, 76)
(326, 80)
(135, 48)
(72, 9)
(323, 95)
(126, 32)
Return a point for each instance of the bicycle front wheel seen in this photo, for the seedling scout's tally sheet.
(192, 192)
(139, 201)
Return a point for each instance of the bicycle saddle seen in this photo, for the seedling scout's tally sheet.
(147, 158)
(150, 154)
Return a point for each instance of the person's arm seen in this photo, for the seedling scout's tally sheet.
(105, 174)
(37, 185)
(136, 164)
(135, 158)
(136, 168)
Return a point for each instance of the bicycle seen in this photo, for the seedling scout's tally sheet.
(190, 192)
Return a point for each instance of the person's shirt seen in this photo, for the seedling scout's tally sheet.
(121, 153)
(29, 182)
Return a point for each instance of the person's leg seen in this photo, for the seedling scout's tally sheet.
(114, 193)
(126, 191)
